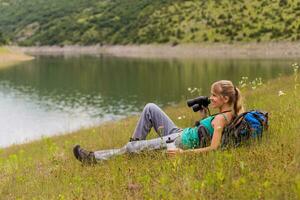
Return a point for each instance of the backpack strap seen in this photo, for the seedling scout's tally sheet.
(222, 113)
(225, 117)
(237, 119)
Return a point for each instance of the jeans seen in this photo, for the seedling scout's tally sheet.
(152, 116)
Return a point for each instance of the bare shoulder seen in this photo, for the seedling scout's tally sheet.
(219, 119)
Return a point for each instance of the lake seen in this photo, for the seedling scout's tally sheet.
(58, 94)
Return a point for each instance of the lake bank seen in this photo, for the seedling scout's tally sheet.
(101, 88)
(269, 170)
(205, 50)
(10, 57)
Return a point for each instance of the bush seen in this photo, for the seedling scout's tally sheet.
(3, 40)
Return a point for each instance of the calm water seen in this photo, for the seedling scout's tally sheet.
(52, 95)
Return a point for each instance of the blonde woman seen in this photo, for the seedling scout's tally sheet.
(224, 96)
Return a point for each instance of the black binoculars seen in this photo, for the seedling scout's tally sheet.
(198, 103)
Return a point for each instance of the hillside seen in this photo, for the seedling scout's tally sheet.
(62, 22)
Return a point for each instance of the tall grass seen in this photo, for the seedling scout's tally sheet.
(46, 169)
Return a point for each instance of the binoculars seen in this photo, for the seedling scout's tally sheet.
(198, 103)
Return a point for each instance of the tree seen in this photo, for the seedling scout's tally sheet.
(3, 40)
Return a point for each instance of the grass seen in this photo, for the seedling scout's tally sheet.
(46, 169)
(4, 50)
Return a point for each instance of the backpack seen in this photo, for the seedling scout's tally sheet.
(203, 134)
(246, 126)
(204, 137)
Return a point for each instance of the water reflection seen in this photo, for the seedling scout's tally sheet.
(56, 94)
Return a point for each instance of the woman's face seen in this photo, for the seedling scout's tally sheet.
(217, 100)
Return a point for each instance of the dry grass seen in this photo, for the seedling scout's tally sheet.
(9, 58)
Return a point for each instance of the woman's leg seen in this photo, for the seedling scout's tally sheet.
(153, 116)
(137, 146)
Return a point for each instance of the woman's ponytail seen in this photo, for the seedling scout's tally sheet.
(238, 103)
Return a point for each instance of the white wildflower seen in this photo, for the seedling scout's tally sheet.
(260, 82)
(296, 68)
(280, 93)
(179, 117)
(194, 90)
(243, 85)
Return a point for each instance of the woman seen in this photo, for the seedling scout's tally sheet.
(224, 96)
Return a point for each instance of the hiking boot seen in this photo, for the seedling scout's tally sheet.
(133, 139)
(84, 156)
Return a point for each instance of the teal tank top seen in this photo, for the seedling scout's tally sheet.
(189, 136)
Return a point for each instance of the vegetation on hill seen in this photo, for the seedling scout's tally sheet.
(63, 22)
(3, 40)
(47, 169)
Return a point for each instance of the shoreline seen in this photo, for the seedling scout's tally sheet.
(168, 109)
(203, 50)
(10, 57)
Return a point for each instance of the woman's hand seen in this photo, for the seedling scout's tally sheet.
(173, 152)
(203, 112)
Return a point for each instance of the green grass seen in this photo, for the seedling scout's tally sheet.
(3, 50)
(46, 169)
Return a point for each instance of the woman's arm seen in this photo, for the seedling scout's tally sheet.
(218, 124)
(203, 112)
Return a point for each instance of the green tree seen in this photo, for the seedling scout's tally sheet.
(3, 40)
